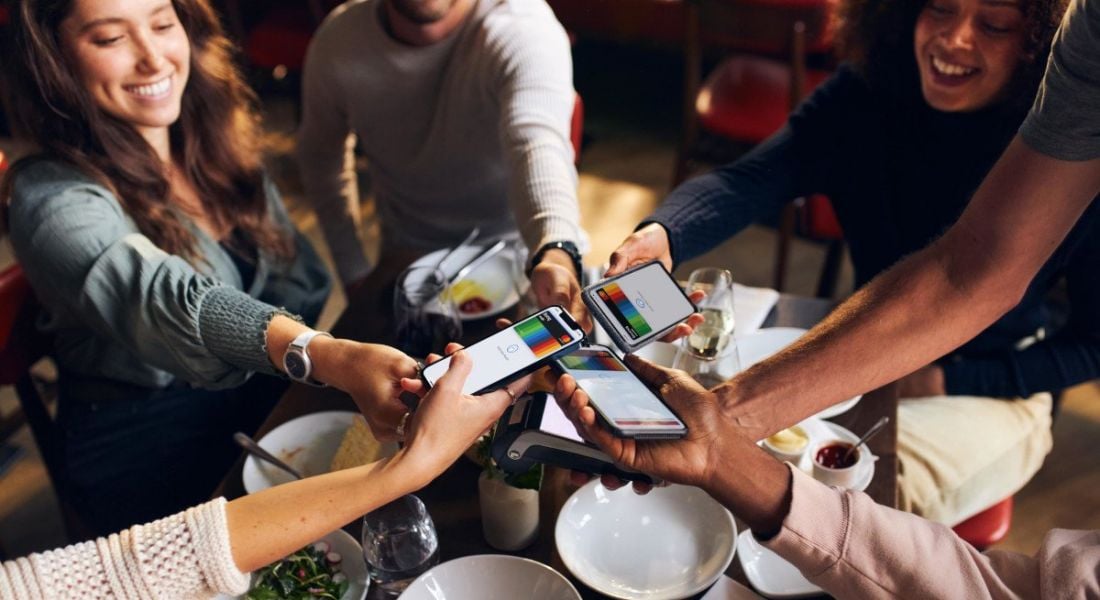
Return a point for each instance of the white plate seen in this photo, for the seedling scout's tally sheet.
(671, 543)
(770, 575)
(490, 576)
(307, 443)
(354, 567)
(494, 277)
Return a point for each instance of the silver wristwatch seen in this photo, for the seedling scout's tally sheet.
(296, 361)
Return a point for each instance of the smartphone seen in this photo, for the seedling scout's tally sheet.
(620, 399)
(638, 306)
(535, 430)
(516, 351)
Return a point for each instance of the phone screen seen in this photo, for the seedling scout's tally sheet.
(512, 350)
(617, 394)
(642, 303)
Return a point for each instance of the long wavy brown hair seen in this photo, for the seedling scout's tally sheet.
(877, 37)
(215, 142)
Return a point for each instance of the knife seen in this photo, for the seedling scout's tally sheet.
(477, 261)
(466, 242)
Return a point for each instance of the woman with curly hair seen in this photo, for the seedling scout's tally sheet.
(899, 138)
(167, 268)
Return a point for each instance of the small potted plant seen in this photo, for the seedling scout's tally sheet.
(509, 502)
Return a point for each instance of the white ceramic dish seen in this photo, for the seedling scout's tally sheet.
(671, 543)
(307, 443)
(490, 576)
(770, 575)
(354, 567)
(752, 348)
(493, 278)
(820, 431)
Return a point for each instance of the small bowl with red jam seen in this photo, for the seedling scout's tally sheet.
(834, 465)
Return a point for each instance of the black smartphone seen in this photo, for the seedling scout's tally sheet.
(535, 430)
(622, 401)
(638, 306)
(515, 351)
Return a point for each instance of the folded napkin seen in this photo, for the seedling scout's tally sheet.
(751, 306)
(728, 589)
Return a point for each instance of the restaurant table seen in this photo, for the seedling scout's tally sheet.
(452, 498)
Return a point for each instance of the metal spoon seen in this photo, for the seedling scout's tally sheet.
(466, 242)
(254, 449)
(877, 427)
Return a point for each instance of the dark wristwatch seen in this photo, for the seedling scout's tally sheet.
(296, 361)
(568, 247)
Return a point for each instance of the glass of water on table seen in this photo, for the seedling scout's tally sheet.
(709, 354)
(399, 544)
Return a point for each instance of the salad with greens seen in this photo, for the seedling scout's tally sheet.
(312, 572)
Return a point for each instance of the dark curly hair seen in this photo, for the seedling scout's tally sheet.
(877, 37)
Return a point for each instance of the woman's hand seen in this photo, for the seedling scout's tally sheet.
(447, 422)
(647, 244)
(371, 374)
(688, 460)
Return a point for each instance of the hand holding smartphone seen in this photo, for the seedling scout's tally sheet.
(515, 351)
(638, 306)
(622, 401)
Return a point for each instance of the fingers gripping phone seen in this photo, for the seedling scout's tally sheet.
(515, 351)
(638, 306)
(622, 401)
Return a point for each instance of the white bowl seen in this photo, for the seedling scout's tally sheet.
(671, 543)
(490, 576)
(353, 565)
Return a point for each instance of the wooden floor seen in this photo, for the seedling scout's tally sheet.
(624, 172)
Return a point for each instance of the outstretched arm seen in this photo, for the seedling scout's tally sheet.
(931, 302)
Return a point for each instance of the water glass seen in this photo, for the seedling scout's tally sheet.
(399, 543)
(708, 371)
(424, 312)
(715, 335)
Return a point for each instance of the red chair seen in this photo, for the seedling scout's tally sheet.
(987, 527)
(576, 127)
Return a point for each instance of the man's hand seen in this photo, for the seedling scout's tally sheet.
(647, 244)
(689, 460)
(554, 281)
(924, 382)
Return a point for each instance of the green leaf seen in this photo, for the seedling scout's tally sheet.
(529, 480)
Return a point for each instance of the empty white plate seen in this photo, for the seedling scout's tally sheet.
(490, 576)
(670, 543)
(770, 575)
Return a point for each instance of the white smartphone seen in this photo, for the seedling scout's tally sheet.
(515, 351)
(637, 306)
(620, 399)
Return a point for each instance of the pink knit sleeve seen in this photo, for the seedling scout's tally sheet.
(854, 548)
(182, 556)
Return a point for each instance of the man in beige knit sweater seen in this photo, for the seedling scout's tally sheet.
(462, 109)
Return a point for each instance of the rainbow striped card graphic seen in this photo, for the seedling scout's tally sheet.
(539, 338)
(591, 363)
(623, 310)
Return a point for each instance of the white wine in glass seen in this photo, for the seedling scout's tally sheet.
(711, 338)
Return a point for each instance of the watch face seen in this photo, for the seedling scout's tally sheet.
(295, 365)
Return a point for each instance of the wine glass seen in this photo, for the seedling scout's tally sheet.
(715, 334)
(399, 543)
(424, 312)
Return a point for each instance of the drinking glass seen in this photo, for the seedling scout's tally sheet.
(425, 314)
(715, 335)
(710, 371)
(399, 543)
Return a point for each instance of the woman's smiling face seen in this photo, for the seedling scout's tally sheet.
(967, 51)
(132, 56)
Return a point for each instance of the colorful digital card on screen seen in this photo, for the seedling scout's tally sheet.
(624, 310)
(592, 362)
(537, 337)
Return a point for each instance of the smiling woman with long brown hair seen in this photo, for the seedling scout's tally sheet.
(168, 270)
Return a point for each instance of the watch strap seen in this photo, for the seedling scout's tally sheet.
(300, 344)
(568, 247)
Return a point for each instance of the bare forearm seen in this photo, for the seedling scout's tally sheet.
(931, 302)
(268, 525)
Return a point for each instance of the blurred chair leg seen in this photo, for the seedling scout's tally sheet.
(830, 272)
(784, 233)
